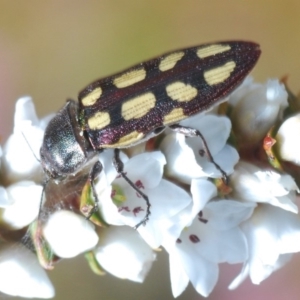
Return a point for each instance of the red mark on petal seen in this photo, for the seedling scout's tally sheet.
(178, 241)
(200, 217)
(123, 208)
(201, 152)
(140, 186)
(194, 239)
(137, 210)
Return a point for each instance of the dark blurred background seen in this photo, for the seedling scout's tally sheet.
(52, 49)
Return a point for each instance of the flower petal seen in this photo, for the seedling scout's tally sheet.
(69, 234)
(259, 272)
(25, 111)
(168, 216)
(21, 274)
(181, 161)
(203, 277)
(25, 198)
(179, 279)
(240, 278)
(270, 240)
(215, 130)
(287, 143)
(124, 254)
(146, 167)
(252, 184)
(20, 159)
(227, 214)
(257, 111)
(202, 191)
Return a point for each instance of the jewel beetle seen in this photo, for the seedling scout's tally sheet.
(132, 106)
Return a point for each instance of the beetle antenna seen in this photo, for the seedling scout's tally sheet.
(30, 147)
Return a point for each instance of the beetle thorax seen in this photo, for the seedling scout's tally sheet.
(64, 149)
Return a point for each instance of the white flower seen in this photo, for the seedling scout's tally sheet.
(20, 204)
(287, 139)
(167, 200)
(264, 186)
(123, 253)
(257, 109)
(21, 274)
(245, 88)
(273, 231)
(69, 234)
(19, 159)
(272, 235)
(184, 161)
(212, 238)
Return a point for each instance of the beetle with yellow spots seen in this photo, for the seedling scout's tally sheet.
(132, 106)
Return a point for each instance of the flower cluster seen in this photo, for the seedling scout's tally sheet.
(197, 216)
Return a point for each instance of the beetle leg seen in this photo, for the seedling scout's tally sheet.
(192, 132)
(118, 164)
(94, 173)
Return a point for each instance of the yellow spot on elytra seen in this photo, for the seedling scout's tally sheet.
(130, 78)
(219, 74)
(170, 61)
(179, 91)
(137, 107)
(174, 116)
(127, 140)
(91, 97)
(99, 120)
(212, 50)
